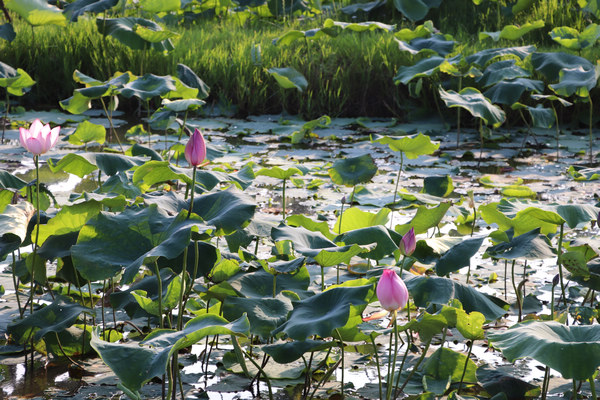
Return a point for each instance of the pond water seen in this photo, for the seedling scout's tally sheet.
(263, 141)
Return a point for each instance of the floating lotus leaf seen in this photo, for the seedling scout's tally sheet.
(152, 355)
(573, 351)
(323, 312)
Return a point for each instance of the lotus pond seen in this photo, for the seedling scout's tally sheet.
(264, 285)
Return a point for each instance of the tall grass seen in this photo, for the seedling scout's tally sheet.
(348, 75)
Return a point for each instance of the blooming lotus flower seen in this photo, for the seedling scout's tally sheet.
(391, 291)
(39, 138)
(195, 149)
(408, 243)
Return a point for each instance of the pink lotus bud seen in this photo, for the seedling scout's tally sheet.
(195, 149)
(391, 291)
(408, 243)
(38, 139)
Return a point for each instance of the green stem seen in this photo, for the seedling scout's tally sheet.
(416, 367)
(341, 344)
(262, 371)
(517, 293)
(14, 277)
(391, 386)
(283, 199)
(545, 383)
(458, 115)
(322, 278)
(378, 366)
(6, 117)
(160, 291)
(462, 378)
(557, 131)
(591, 136)
(574, 396)
(593, 387)
(183, 284)
(193, 190)
(396, 188)
(408, 344)
(390, 370)
(559, 262)
(91, 303)
(37, 229)
(110, 122)
(193, 278)
(274, 285)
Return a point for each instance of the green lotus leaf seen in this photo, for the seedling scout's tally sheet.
(446, 363)
(56, 317)
(85, 163)
(152, 355)
(123, 29)
(170, 299)
(323, 312)
(354, 218)
(9, 181)
(513, 32)
(577, 81)
(77, 8)
(190, 79)
(439, 186)
(70, 218)
(412, 146)
(427, 290)
(360, 26)
(473, 101)
(378, 234)
(88, 132)
(424, 219)
(182, 105)
(312, 225)
(14, 221)
(572, 39)
(280, 173)
(415, 10)
(149, 86)
(7, 32)
(125, 300)
(352, 171)
(37, 12)
(422, 68)
(17, 82)
(575, 263)
(287, 352)
(291, 36)
(264, 314)
(550, 64)
(584, 174)
(483, 57)
(159, 6)
(541, 117)
(289, 78)
(501, 70)
(509, 91)
(497, 380)
(458, 256)
(301, 237)
(470, 325)
(286, 267)
(423, 30)
(227, 210)
(530, 246)
(436, 44)
(591, 6)
(573, 351)
(259, 284)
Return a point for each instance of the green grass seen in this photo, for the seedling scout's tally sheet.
(348, 75)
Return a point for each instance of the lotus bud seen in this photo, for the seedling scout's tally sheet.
(408, 243)
(391, 291)
(195, 149)
(555, 280)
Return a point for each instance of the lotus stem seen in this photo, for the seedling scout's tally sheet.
(110, 123)
(591, 135)
(559, 262)
(160, 291)
(183, 285)
(193, 190)
(322, 278)
(408, 343)
(416, 367)
(378, 366)
(462, 378)
(36, 161)
(14, 277)
(283, 199)
(458, 115)
(557, 130)
(193, 278)
(267, 380)
(545, 383)
(91, 303)
(593, 387)
(6, 117)
(505, 276)
(574, 395)
(517, 290)
(396, 188)
(341, 344)
(325, 378)
(274, 285)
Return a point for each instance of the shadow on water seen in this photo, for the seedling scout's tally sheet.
(18, 382)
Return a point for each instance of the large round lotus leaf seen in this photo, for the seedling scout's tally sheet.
(149, 86)
(289, 78)
(13, 226)
(37, 12)
(412, 146)
(227, 210)
(260, 283)
(354, 170)
(77, 8)
(483, 57)
(373, 234)
(530, 246)
(473, 101)
(287, 352)
(574, 351)
(264, 314)
(123, 29)
(458, 256)
(324, 312)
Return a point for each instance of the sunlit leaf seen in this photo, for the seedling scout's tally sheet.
(473, 101)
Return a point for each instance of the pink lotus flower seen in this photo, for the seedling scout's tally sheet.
(195, 149)
(38, 139)
(391, 291)
(408, 244)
